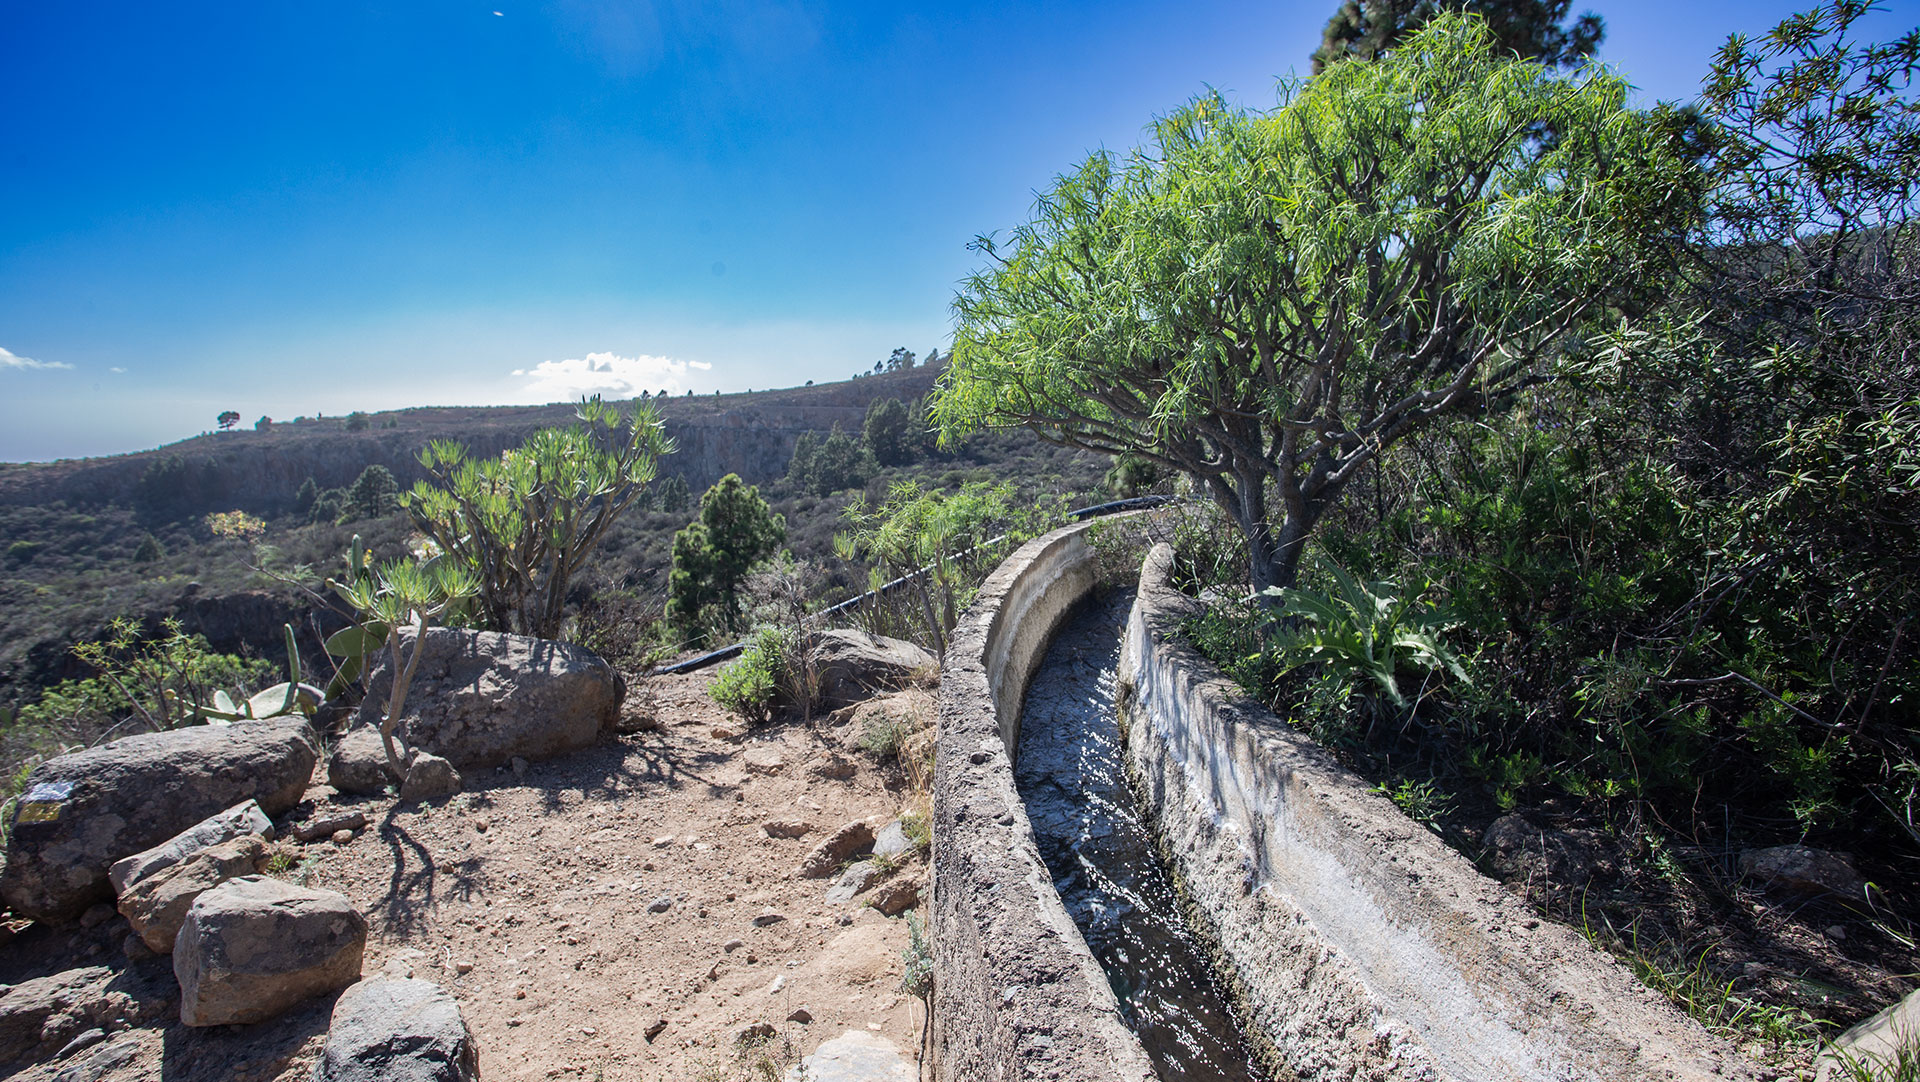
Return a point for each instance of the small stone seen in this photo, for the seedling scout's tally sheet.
(727, 732)
(480, 825)
(754, 1031)
(519, 767)
(86, 1039)
(854, 838)
(858, 877)
(388, 1029)
(342, 837)
(892, 842)
(1836, 932)
(429, 777)
(463, 967)
(519, 993)
(897, 897)
(332, 824)
(655, 1029)
(136, 949)
(834, 767)
(786, 828)
(661, 904)
(97, 914)
(732, 945)
(767, 917)
(663, 841)
(1802, 871)
(800, 1015)
(779, 982)
(764, 760)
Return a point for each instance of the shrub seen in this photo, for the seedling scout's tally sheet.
(750, 684)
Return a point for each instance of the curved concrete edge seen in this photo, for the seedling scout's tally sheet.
(1365, 947)
(1017, 995)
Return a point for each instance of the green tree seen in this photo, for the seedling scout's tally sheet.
(227, 419)
(1534, 29)
(900, 360)
(373, 494)
(357, 421)
(800, 466)
(148, 551)
(1267, 302)
(711, 557)
(304, 496)
(526, 521)
(886, 432)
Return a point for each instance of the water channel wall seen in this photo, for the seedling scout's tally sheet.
(1365, 948)
(1016, 993)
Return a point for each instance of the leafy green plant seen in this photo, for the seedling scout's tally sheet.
(171, 679)
(1375, 633)
(750, 684)
(523, 523)
(399, 595)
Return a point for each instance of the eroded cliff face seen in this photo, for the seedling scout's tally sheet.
(752, 435)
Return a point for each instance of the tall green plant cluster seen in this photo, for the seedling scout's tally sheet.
(942, 545)
(735, 532)
(526, 522)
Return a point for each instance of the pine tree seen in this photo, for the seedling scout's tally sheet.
(736, 530)
(1363, 29)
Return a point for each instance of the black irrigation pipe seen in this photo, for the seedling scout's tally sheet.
(1098, 510)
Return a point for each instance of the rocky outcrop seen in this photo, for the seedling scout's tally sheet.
(482, 698)
(157, 904)
(39, 1017)
(853, 665)
(83, 812)
(253, 947)
(236, 822)
(396, 1029)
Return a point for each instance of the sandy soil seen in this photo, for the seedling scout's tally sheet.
(616, 914)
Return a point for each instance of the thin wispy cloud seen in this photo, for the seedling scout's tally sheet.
(10, 360)
(608, 375)
(117, 370)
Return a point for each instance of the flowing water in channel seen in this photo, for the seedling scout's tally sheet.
(1095, 840)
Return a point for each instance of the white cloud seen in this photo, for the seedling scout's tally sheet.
(606, 374)
(117, 370)
(9, 360)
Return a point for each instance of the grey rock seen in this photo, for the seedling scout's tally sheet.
(892, 842)
(429, 777)
(1800, 871)
(834, 767)
(482, 698)
(236, 822)
(1518, 850)
(855, 1056)
(1879, 1041)
(253, 947)
(825, 859)
(156, 905)
(41, 1017)
(358, 764)
(102, 1062)
(857, 878)
(661, 904)
(767, 918)
(395, 1029)
(81, 1042)
(83, 812)
(854, 665)
(97, 914)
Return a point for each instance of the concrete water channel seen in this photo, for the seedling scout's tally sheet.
(1098, 843)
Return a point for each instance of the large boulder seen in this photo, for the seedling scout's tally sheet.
(253, 947)
(854, 666)
(396, 1029)
(82, 812)
(482, 698)
(156, 905)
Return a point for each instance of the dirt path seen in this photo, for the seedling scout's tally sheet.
(616, 914)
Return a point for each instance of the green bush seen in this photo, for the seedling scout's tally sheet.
(750, 684)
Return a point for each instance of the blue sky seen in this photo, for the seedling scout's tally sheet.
(284, 209)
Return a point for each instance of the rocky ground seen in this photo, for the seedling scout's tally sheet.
(623, 912)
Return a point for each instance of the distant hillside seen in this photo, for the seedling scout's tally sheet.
(750, 434)
(85, 540)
